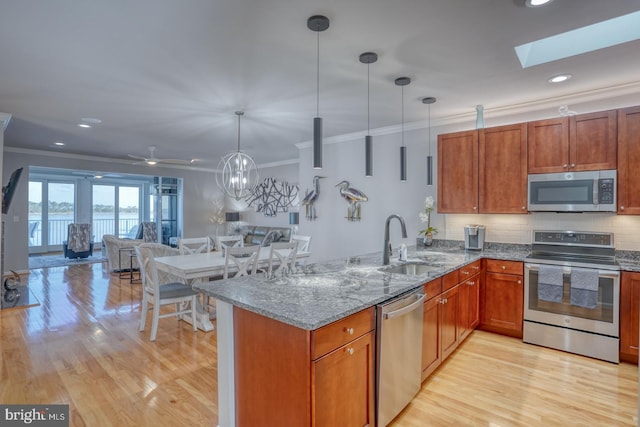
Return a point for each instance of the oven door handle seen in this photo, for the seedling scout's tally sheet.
(567, 270)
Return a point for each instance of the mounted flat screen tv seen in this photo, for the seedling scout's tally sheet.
(9, 190)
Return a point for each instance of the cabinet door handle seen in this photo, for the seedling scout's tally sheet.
(350, 351)
(621, 208)
(573, 165)
(475, 208)
(504, 267)
(519, 282)
(471, 283)
(523, 208)
(565, 165)
(349, 331)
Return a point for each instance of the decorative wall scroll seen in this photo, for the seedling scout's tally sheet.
(354, 197)
(271, 196)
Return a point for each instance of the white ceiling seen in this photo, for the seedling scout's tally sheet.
(171, 73)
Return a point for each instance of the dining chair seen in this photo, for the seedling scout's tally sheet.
(303, 242)
(194, 245)
(245, 259)
(282, 258)
(158, 290)
(223, 242)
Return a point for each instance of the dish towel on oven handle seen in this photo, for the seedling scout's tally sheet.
(550, 283)
(584, 287)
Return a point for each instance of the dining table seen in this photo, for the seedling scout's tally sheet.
(206, 265)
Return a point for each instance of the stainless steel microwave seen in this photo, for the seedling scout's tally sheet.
(589, 191)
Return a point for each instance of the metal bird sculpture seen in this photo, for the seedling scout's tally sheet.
(309, 201)
(354, 197)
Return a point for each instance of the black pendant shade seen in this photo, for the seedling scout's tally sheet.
(402, 82)
(429, 100)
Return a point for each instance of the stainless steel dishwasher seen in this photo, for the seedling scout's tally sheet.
(399, 354)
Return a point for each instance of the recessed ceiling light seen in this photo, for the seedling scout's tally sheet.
(59, 143)
(84, 125)
(559, 78)
(536, 3)
(97, 176)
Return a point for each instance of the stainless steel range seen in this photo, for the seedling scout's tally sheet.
(572, 293)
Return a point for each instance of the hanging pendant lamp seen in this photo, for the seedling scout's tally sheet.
(317, 23)
(402, 82)
(368, 58)
(237, 172)
(429, 100)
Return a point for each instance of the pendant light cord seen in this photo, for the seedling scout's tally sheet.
(318, 74)
(239, 132)
(368, 103)
(429, 107)
(403, 116)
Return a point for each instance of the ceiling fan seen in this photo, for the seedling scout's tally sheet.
(153, 160)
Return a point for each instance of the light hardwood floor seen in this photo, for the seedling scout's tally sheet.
(81, 347)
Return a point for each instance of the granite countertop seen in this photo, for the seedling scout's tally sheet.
(323, 293)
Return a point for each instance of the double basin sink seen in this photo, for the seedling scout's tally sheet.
(411, 268)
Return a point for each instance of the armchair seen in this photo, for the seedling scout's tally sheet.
(79, 243)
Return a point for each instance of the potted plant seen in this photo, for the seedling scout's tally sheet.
(425, 216)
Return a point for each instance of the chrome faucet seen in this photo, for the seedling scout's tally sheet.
(387, 245)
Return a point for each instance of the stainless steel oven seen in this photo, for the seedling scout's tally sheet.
(572, 293)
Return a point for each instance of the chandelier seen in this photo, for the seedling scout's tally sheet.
(237, 173)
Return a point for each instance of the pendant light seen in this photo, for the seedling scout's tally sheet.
(402, 82)
(237, 172)
(429, 100)
(368, 58)
(317, 23)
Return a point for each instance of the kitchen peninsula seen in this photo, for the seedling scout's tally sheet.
(278, 337)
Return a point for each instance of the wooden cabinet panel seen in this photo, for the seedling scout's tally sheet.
(592, 141)
(338, 333)
(431, 348)
(503, 169)
(469, 291)
(548, 145)
(629, 316)
(449, 321)
(463, 311)
(628, 161)
(474, 285)
(450, 280)
(469, 270)
(433, 288)
(343, 385)
(502, 266)
(458, 172)
(285, 387)
(502, 299)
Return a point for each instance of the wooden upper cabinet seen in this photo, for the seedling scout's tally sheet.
(592, 141)
(628, 161)
(577, 143)
(503, 169)
(548, 145)
(458, 172)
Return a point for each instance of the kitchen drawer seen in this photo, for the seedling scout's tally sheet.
(506, 267)
(470, 270)
(338, 333)
(449, 280)
(433, 288)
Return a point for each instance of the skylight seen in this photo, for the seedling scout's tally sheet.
(603, 34)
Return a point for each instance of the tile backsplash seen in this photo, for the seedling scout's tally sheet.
(518, 228)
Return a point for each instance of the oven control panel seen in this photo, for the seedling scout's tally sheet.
(592, 239)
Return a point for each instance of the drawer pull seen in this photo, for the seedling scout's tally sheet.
(350, 351)
(475, 267)
(504, 267)
(471, 283)
(466, 273)
(349, 331)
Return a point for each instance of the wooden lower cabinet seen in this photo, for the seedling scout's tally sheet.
(502, 298)
(469, 313)
(450, 301)
(287, 376)
(431, 348)
(629, 316)
(342, 384)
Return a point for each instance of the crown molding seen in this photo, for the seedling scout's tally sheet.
(504, 111)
